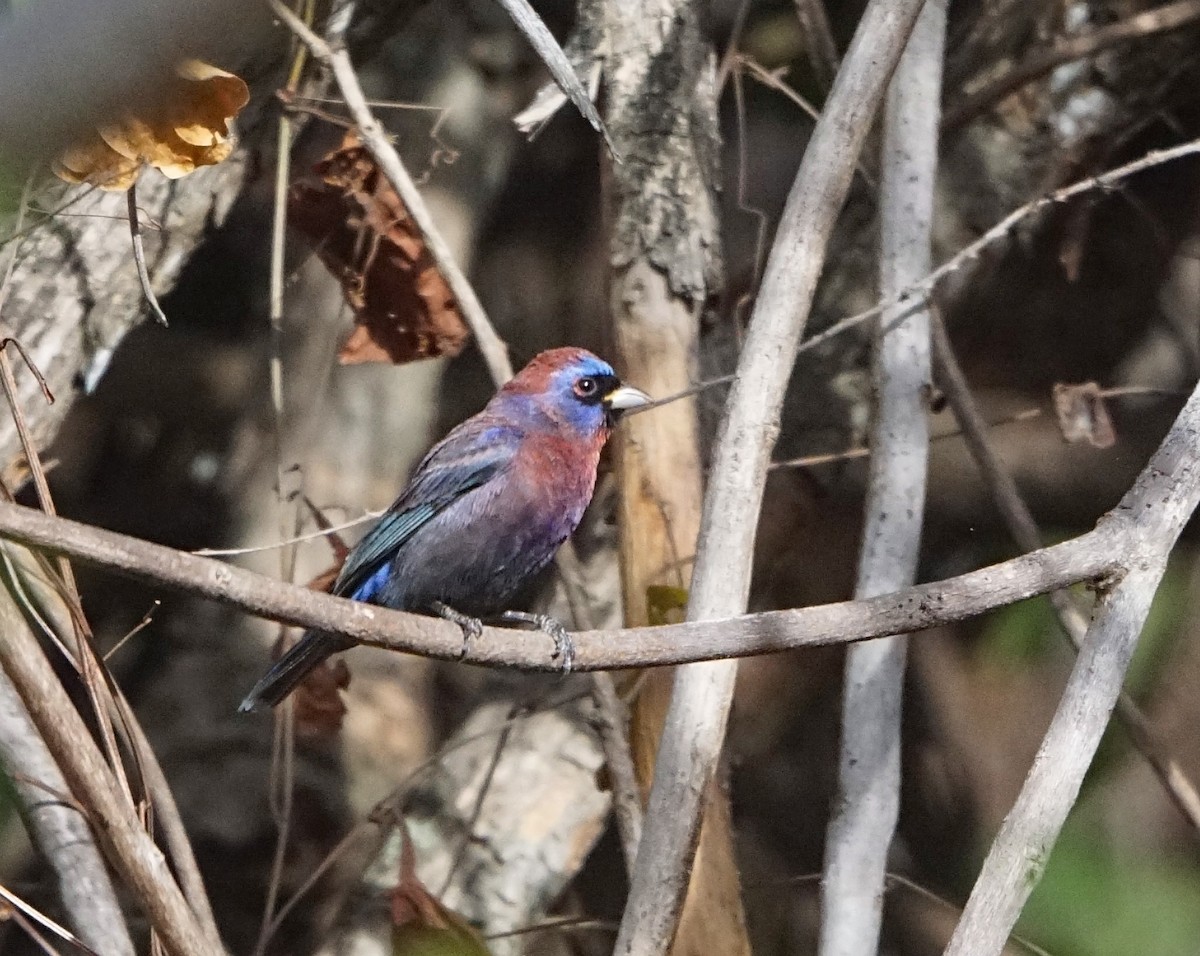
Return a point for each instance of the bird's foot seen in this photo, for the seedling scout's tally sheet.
(471, 627)
(564, 649)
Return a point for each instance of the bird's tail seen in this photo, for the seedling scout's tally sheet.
(290, 670)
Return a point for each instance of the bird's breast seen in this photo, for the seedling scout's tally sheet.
(479, 552)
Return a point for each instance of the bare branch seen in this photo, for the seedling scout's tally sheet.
(139, 257)
(1025, 533)
(1001, 230)
(1171, 16)
(864, 820)
(1089, 557)
(613, 724)
(57, 827)
(1155, 509)
(130, 849)
(695, 725)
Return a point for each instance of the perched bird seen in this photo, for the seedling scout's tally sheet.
(484, 511)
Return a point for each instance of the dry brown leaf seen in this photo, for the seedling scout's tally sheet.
(421, 924)
(319, 707)
(1083, 414)
(189, 130)
(362, 232)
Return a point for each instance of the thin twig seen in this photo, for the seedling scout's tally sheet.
(139, 256)
(61, 932)
(335, 55)
(1064, 50)
(613, 724)
(772, 80)
(145, 622)
(695, 725)
(868, 802)
(1024, 415)
(914, 294)
(611, 718)
(1025, 532)
(289, 541)
(819, 47)
(90, 669)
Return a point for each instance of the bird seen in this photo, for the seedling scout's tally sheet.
(483, 512)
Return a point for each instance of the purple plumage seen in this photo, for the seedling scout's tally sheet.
(486, 509)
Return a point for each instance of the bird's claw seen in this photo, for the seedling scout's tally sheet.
(564, 648)
(471, 627)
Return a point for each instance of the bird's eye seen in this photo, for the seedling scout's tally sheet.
(586, 387)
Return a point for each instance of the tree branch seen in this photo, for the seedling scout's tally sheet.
(1024, 531)
(1155, 511)
(131, 850)
(1171, 16)
(868, 804)
(1093, 556)
(58, 828)
(695, 725)
(1105, 181)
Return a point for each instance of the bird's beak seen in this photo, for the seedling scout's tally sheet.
(625, 398)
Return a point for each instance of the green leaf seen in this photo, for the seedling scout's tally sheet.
(1094, 902)
(413, 939)
(665, 604)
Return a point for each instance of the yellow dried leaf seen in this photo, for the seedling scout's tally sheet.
(189, 130)
(208, 98)
(94, 161)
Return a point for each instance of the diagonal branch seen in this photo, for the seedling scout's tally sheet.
(543, 42)
(1155, 509)
(1025, 533)
(868, 805)
(1171, 16)
(131, 850)
(59, 829)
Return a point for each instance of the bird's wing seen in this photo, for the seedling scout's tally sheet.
(467, 458)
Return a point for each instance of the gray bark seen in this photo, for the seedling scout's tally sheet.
(60, 831)
(868, 803)
(1152, 514)
(695, 725)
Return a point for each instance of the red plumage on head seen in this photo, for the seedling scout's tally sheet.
(535, 377)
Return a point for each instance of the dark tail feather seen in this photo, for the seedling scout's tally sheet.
(290, 670)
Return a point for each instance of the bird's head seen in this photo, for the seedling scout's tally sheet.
(574, 388)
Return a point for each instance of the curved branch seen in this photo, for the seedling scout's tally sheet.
(1093, 556)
